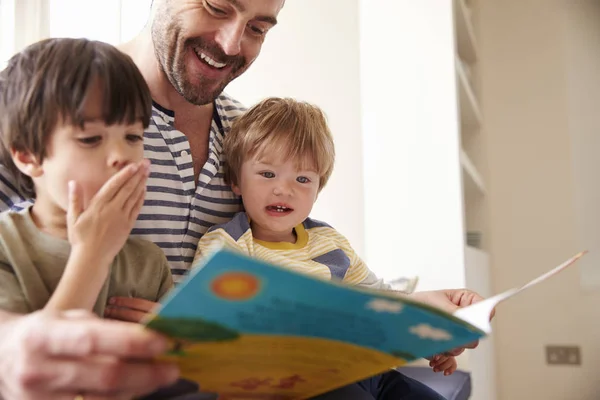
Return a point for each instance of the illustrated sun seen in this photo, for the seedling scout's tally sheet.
(235, 286)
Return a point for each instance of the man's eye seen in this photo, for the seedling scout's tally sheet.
(257, 30)
(213, 9)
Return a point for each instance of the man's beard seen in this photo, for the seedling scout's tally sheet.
(198, 92)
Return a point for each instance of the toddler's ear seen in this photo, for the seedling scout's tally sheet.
(27, 163)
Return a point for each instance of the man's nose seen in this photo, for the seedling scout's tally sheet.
(230, 35)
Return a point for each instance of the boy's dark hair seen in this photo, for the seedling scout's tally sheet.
(47, 83)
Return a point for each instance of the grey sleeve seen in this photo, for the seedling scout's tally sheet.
(12, 297)
(166, 279)
(373, 282)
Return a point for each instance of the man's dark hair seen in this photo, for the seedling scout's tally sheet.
(47, 83)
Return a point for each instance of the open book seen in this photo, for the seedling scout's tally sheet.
(247, 329)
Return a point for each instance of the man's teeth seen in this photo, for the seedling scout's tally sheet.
(209, 60)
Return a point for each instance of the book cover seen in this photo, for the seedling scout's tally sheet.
(247, 329)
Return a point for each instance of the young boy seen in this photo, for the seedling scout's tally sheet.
(280, 154)
(72, 117)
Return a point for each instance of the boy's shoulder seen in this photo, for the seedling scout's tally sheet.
(320, 231)
(235, 227)
(139, 248)
(310, 223)
(15, 219)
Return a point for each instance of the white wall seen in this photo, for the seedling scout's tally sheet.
(539, 63)
(583, 85)
(413, 199)
(312, 54)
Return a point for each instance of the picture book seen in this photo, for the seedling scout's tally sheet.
(247, 329)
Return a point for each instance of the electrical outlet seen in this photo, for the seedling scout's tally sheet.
(563, 355)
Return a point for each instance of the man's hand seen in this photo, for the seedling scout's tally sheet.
(129, 309)
(450, 300)
(54, 356)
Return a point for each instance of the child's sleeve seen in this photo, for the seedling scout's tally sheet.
(12, 297)
(358, 273)
(212, 241)
(166, 278)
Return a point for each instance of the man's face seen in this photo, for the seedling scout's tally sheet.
(202, 45)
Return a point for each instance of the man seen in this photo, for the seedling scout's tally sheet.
(188, 52)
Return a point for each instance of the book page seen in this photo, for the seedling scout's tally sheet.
(479, 314)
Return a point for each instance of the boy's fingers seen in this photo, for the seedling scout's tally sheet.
(75, 207)
(129, 189)
(132, 201)
(443, 366)
(116, 183)
(135, 211)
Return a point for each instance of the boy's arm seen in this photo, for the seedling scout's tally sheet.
(166, 278)
(81, 281)
(358, 273)
(12, 297)
(97, 234)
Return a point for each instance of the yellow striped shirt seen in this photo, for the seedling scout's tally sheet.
(319, 250)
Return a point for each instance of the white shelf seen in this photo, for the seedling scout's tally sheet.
(470, 113)
(472, 179)
(465, 37)
(477, 271)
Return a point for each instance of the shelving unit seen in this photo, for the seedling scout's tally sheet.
(471, 121)
(477, 259)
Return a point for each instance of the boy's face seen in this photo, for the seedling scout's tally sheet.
(277, 194)
(89, 156)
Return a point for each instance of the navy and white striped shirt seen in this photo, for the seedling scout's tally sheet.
(176, 212)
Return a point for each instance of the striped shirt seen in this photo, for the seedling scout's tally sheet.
(320, 251)
(176, 212)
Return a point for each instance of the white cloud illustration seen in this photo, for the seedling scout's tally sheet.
(382, 305)
(425, 331)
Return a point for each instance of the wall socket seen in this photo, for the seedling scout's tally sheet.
(563, 355)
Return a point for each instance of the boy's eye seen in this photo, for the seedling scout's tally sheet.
(267, 174)
(89, 140)
(303, 179)
(135, 138)
(213, 9)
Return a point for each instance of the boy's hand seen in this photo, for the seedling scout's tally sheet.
(443, 362)
(104, 226)
(128, 308)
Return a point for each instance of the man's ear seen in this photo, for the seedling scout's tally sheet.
(27, 163)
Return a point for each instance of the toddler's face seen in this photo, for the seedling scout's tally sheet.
(278, 195)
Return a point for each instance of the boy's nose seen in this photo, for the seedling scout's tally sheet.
(119, 159)
(282, 190)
